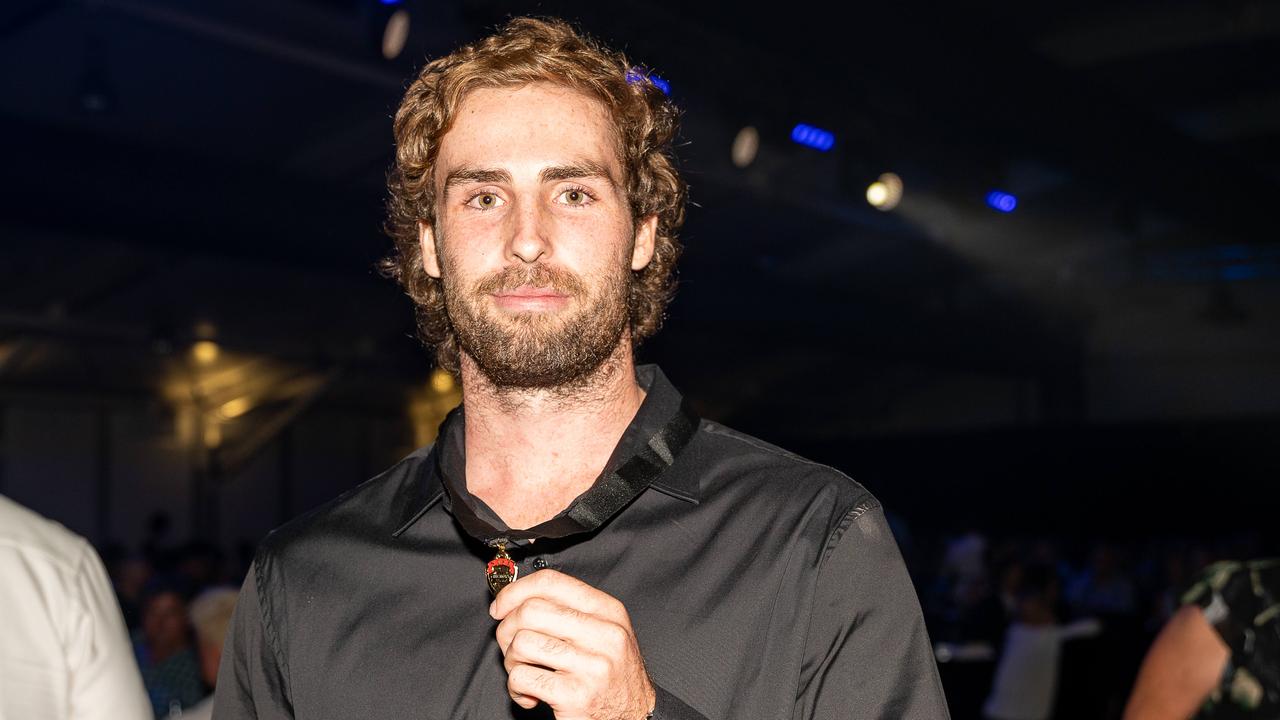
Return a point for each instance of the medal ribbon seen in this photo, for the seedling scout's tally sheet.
(612, 492)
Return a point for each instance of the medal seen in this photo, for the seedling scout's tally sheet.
(501, 570)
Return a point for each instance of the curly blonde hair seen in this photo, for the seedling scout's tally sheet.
(529, 50)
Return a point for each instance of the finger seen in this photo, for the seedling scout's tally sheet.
(559, 588)
(524, 701)
(532, 682)
(586, 632)
(530, 647)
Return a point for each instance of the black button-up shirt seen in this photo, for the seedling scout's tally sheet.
(759, 584)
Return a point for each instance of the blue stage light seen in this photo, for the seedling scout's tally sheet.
(813, 137)
(1239, 272)
(1001, 201)
(635, 75)
(390, 2)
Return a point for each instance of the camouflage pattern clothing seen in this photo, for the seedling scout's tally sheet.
(1241, 600)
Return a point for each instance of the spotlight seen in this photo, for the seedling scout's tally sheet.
(813, 137)
(885, 193)
(441, 380)
(235, 408)
(395, 33)
(205, 352)
(745, 146)
(1001, 201)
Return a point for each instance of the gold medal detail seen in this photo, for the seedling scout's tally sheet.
(501, 570)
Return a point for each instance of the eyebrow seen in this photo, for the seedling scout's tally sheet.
(464, 175)
(579, 169)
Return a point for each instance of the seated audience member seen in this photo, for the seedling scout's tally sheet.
(168, 663)
(1027, 675)
(1219, 656)
(64, 651)
(210, 614)
(1103, 588)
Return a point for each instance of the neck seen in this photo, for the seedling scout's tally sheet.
(530, 452)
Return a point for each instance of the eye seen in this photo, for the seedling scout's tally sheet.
(484, 201)
(576, 196)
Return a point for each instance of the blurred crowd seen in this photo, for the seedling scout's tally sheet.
(177, 601)
(1051, 627)
(1024, 627)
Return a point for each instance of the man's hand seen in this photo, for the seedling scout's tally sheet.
(572, 647)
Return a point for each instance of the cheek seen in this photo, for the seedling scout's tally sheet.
(604, 240)
(468, 249)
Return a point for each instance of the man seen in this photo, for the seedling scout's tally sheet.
(64, 651)
(646, 563)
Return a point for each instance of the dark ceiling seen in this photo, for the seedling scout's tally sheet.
(168, 164)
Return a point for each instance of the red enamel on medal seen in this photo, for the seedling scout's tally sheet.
(501, 571)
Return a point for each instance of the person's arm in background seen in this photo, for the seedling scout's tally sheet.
(1183, 666)
(867, 655)
(104, 682)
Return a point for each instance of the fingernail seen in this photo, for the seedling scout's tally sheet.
(491, 610)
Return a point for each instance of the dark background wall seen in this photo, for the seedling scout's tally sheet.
(1101, 360)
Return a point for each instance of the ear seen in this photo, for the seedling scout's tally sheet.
(430, 259)
(646, 239)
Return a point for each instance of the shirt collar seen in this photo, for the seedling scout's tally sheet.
(442, 476)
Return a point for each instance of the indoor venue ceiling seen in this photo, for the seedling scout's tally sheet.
(172, 166)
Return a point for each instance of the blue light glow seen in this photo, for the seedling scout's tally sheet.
(1239, 272)
(1001, 201)
(635, 75)
(390, 2)
(813, 137)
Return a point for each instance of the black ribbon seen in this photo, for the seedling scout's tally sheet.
(610, 493)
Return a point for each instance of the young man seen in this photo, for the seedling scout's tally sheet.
(645, 563)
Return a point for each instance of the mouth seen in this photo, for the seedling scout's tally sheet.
(528, 298)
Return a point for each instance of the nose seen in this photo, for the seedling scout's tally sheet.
(530, 236)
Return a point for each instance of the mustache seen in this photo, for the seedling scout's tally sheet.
(537, 275)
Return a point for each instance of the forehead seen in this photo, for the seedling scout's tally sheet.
(535, 125)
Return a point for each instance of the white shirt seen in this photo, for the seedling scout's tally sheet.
(64, 651)
(1027, 676)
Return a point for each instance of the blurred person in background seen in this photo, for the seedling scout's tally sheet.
(163, 647)
(130, 573)
(1219, 656)
(1104, 588)
(1027, 675)
(64, 651)
(199, 565)
(210, 615)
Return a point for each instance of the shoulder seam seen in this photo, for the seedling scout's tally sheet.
(268, 620)
(68, 563)
(862, 507)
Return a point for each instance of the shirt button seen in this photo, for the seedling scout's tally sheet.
(539, 563)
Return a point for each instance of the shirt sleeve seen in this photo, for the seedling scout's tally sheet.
(670, 707)
(867, 654)
(252, 679)
(104, 681)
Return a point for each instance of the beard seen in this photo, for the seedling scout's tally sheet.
(535, 350)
